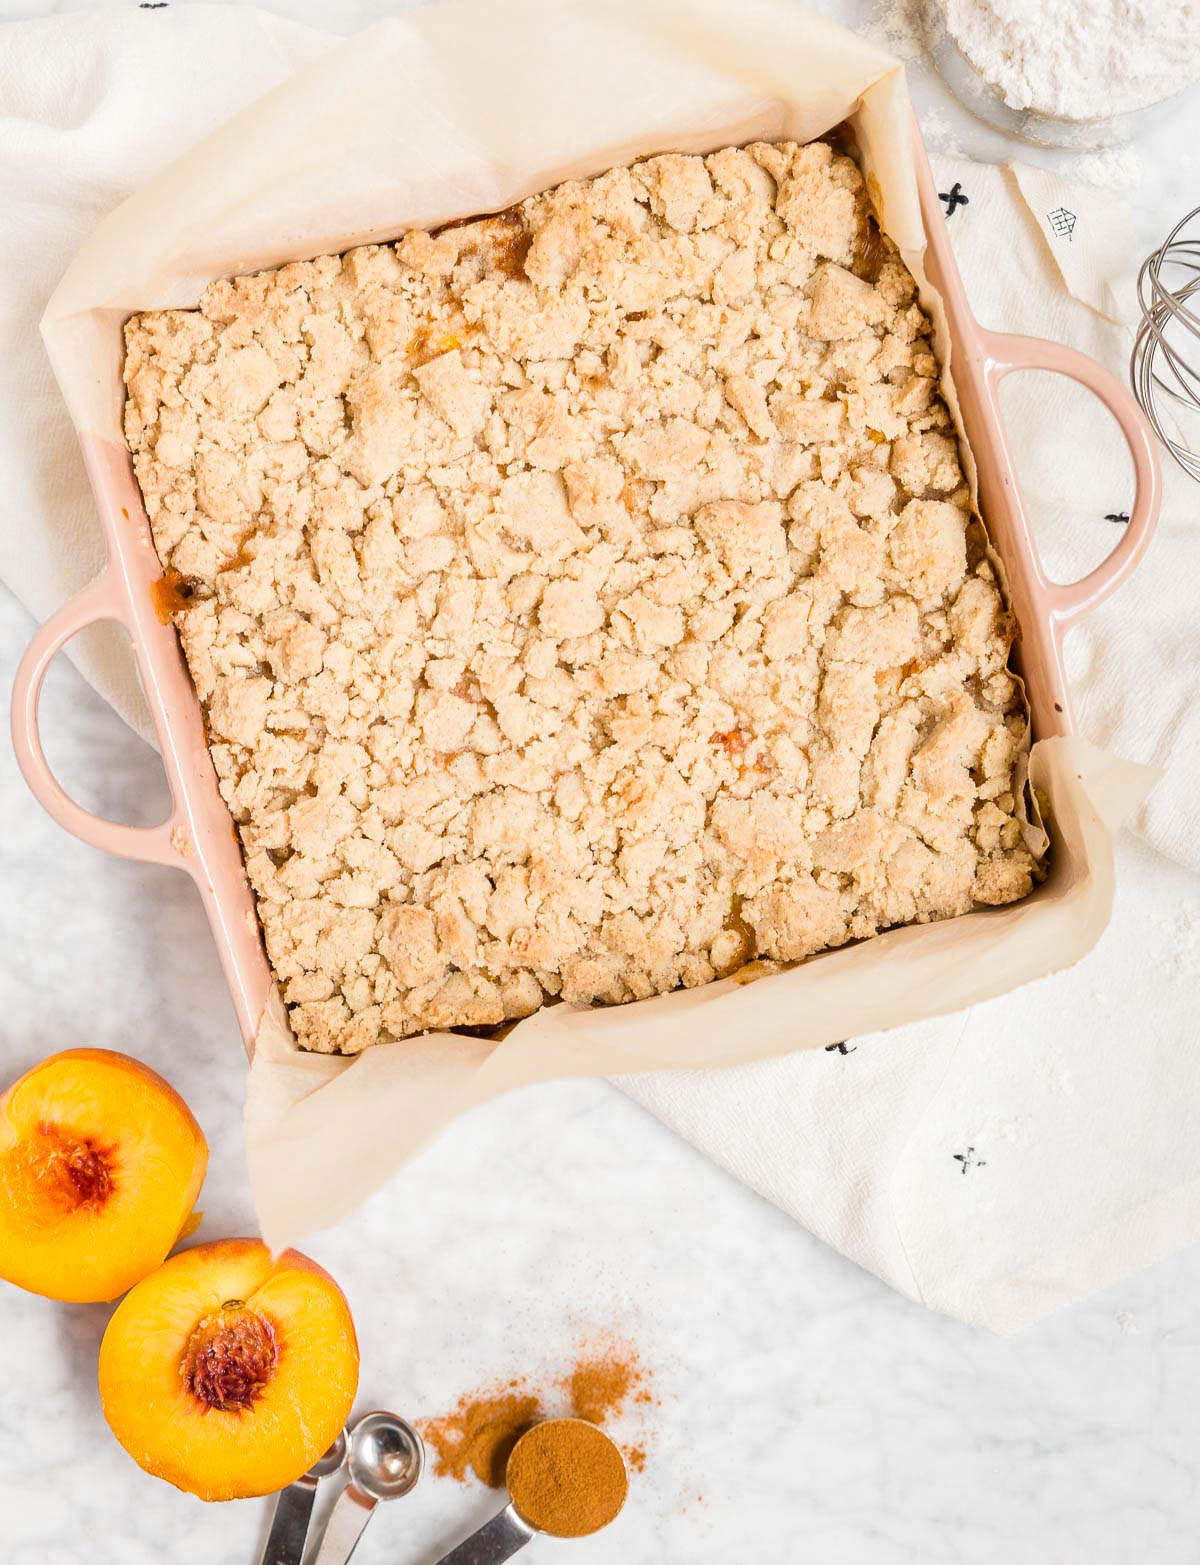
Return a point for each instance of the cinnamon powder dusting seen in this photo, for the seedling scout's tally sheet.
(600, 1386)
(477, 1436)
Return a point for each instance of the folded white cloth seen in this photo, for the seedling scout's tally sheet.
(993, 1164)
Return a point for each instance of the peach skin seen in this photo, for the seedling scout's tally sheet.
(100, 1164)
(228, 1371)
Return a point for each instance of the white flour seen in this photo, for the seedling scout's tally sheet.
(1080, 59)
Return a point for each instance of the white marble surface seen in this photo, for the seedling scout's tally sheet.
(804, 1410)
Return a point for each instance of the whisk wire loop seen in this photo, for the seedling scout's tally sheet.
(1165, 369)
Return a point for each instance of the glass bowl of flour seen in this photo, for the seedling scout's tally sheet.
(1081, 74)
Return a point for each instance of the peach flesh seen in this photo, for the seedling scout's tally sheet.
(100, 1165)
(229, 1371)
(67, 1174)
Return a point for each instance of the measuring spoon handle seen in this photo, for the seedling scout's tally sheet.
(289, 1525)
(350, 1514)
(495, 1541)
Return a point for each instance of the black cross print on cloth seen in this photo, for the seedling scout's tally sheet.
(969, 1160)
(1116, 516)
(953, 198)
(840, 1048)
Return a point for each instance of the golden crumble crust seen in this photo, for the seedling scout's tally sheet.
(583, 601)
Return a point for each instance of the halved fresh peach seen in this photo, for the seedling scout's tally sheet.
(228, 1371)
(100, 1164)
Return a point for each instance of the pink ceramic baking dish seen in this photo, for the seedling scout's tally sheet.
(198, 836)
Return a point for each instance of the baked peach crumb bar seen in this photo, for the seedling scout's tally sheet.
(583, 601)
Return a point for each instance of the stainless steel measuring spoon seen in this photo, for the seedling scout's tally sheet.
(385, 1458)
(506, 1532)
(497, 1540)
(293, 1509)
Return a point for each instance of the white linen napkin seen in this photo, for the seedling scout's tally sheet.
(993, 1164)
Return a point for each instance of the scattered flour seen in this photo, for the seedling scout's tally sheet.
(896, 25)
(940, 132)
(1116, 168)
(1080, 59)
(1177, 942)
(1187, 941)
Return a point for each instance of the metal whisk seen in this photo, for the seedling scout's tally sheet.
(1165, 365)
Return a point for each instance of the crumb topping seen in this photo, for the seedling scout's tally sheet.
(583, 601)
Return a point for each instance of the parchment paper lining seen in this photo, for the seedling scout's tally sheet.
(458, 110)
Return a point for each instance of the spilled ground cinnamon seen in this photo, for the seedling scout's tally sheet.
(599, 1386)
(477, 1436)
(567, 1478)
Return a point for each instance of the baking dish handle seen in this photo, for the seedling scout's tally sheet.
(1068, 603)
(100, 600)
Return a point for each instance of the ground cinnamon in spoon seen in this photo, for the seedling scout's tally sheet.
(566, 1477)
